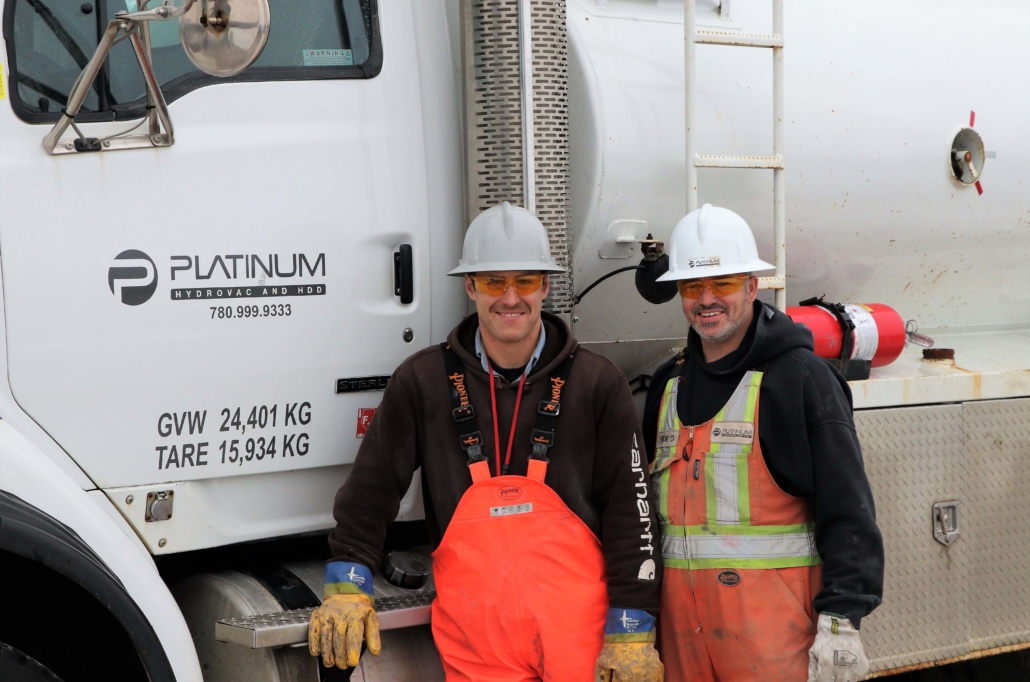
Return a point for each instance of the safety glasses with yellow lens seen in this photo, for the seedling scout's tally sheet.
(493, 285)
(719, 286)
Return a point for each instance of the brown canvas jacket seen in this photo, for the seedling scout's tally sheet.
(597, 465)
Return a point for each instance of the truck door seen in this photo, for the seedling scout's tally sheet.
(187, 313)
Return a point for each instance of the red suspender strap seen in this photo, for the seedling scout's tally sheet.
(514, 419)
(537, 470)
(480, 471)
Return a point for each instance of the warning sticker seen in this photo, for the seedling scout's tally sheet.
(3, 87)
(328, 58)
(365, 415)
(866, 337)
(510, 509)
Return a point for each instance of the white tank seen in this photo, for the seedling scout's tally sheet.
(875, 93)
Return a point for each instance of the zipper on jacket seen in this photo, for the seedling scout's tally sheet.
(686, 516)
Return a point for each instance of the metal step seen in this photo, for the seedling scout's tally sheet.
(728, 161)
(742, 39)
(291, 627)
(772, 282)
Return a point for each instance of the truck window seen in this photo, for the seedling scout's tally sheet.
(50, 41)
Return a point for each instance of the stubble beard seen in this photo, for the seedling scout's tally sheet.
(733, 322)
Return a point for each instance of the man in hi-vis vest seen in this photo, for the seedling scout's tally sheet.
(769, 539)
(535, 484)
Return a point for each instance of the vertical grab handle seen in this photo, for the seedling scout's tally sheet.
(403, 274)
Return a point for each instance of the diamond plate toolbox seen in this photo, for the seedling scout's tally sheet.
(942, 602)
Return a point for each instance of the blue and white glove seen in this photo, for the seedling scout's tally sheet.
(628, 651)
(346, 617)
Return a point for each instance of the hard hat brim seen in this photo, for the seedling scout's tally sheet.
(527, 266)
(736, 269)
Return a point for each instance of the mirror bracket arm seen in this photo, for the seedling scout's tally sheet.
(123, 26)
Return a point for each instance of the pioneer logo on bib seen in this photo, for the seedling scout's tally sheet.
(741, 433)
(729, 578)
(510, 492)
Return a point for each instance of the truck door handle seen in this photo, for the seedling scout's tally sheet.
(403, 274)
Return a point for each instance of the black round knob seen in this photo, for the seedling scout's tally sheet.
(405, 569)
(86, 8)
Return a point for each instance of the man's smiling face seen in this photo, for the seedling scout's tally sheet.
(716, 318)
(509, 317)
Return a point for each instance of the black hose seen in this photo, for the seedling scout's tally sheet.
(578, 298)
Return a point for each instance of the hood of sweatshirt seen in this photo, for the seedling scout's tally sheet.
(557, 347)
(771, 334)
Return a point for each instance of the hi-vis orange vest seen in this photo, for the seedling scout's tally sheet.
(741, 566)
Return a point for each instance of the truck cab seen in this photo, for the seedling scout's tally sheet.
(197, 328)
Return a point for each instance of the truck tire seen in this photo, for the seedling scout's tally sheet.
(18, 667)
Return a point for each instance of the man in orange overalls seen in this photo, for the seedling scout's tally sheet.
(535, 485)
(769, 539)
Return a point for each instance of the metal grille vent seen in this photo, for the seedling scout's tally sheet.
(493, 124)
(493, 110)
(551, 139)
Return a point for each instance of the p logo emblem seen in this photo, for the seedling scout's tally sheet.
(132, 277)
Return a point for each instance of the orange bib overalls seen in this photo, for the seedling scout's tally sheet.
(741, 566)
(520, 579)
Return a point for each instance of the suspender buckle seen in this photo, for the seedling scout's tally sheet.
(463, 413)
(549, 408)
(539, 452)
(471, 440)
(475, 453)
(542, 441)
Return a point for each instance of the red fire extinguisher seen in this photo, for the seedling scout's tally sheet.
(854, 336)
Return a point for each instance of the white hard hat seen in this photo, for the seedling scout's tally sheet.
(711, 242)
(503, 238)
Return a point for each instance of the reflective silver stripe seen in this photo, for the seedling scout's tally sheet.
(727, 507)
(739, 546)
(671, 423)
(736, 407)
(725, 461)
(671, 415)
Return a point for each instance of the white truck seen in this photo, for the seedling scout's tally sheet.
(198, 320)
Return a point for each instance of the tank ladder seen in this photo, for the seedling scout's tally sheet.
(691, 38)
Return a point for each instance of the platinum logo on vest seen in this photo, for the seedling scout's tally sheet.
(742, 433)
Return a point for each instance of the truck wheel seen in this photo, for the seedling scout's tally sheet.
(17, 667)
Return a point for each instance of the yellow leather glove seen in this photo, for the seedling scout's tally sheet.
(629, 662)
(339, 626)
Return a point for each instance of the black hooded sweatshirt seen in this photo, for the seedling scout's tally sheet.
(808, 438)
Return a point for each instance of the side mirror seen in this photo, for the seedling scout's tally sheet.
(222, 37)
